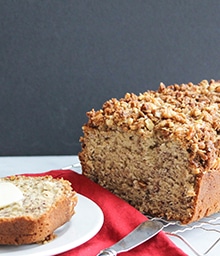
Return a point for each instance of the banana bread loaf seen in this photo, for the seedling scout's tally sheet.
(159, 150)
(47, 204)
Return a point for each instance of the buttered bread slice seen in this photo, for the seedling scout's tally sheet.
(44, 204)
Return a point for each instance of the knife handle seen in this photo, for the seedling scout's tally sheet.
(139, 235)
(107, 252)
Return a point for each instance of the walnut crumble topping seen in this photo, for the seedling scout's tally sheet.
(184, 111)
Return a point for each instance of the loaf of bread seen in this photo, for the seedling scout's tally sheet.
(159, 150)
(47, 204)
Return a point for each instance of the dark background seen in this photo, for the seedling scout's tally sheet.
(60, 59)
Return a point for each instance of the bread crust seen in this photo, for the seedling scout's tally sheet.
(208, 196)
(35, 229)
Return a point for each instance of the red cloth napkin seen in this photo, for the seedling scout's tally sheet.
(119, 219)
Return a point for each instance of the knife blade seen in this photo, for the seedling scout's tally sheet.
(139, 235)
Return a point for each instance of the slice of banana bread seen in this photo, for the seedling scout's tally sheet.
(159, 150)
(47, 204)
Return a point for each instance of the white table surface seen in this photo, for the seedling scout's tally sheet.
(35, 164)
(16, 165)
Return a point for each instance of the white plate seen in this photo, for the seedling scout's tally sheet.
(85, 224)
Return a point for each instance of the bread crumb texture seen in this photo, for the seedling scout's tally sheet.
(158, 150)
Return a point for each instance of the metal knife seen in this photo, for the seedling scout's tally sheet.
(139, 235)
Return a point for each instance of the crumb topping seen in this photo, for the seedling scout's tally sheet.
(189, 113)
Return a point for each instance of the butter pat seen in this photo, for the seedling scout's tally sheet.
(9, 194)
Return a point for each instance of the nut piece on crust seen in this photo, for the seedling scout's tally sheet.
(48, 203)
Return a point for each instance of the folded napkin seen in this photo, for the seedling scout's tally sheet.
(119, 219)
